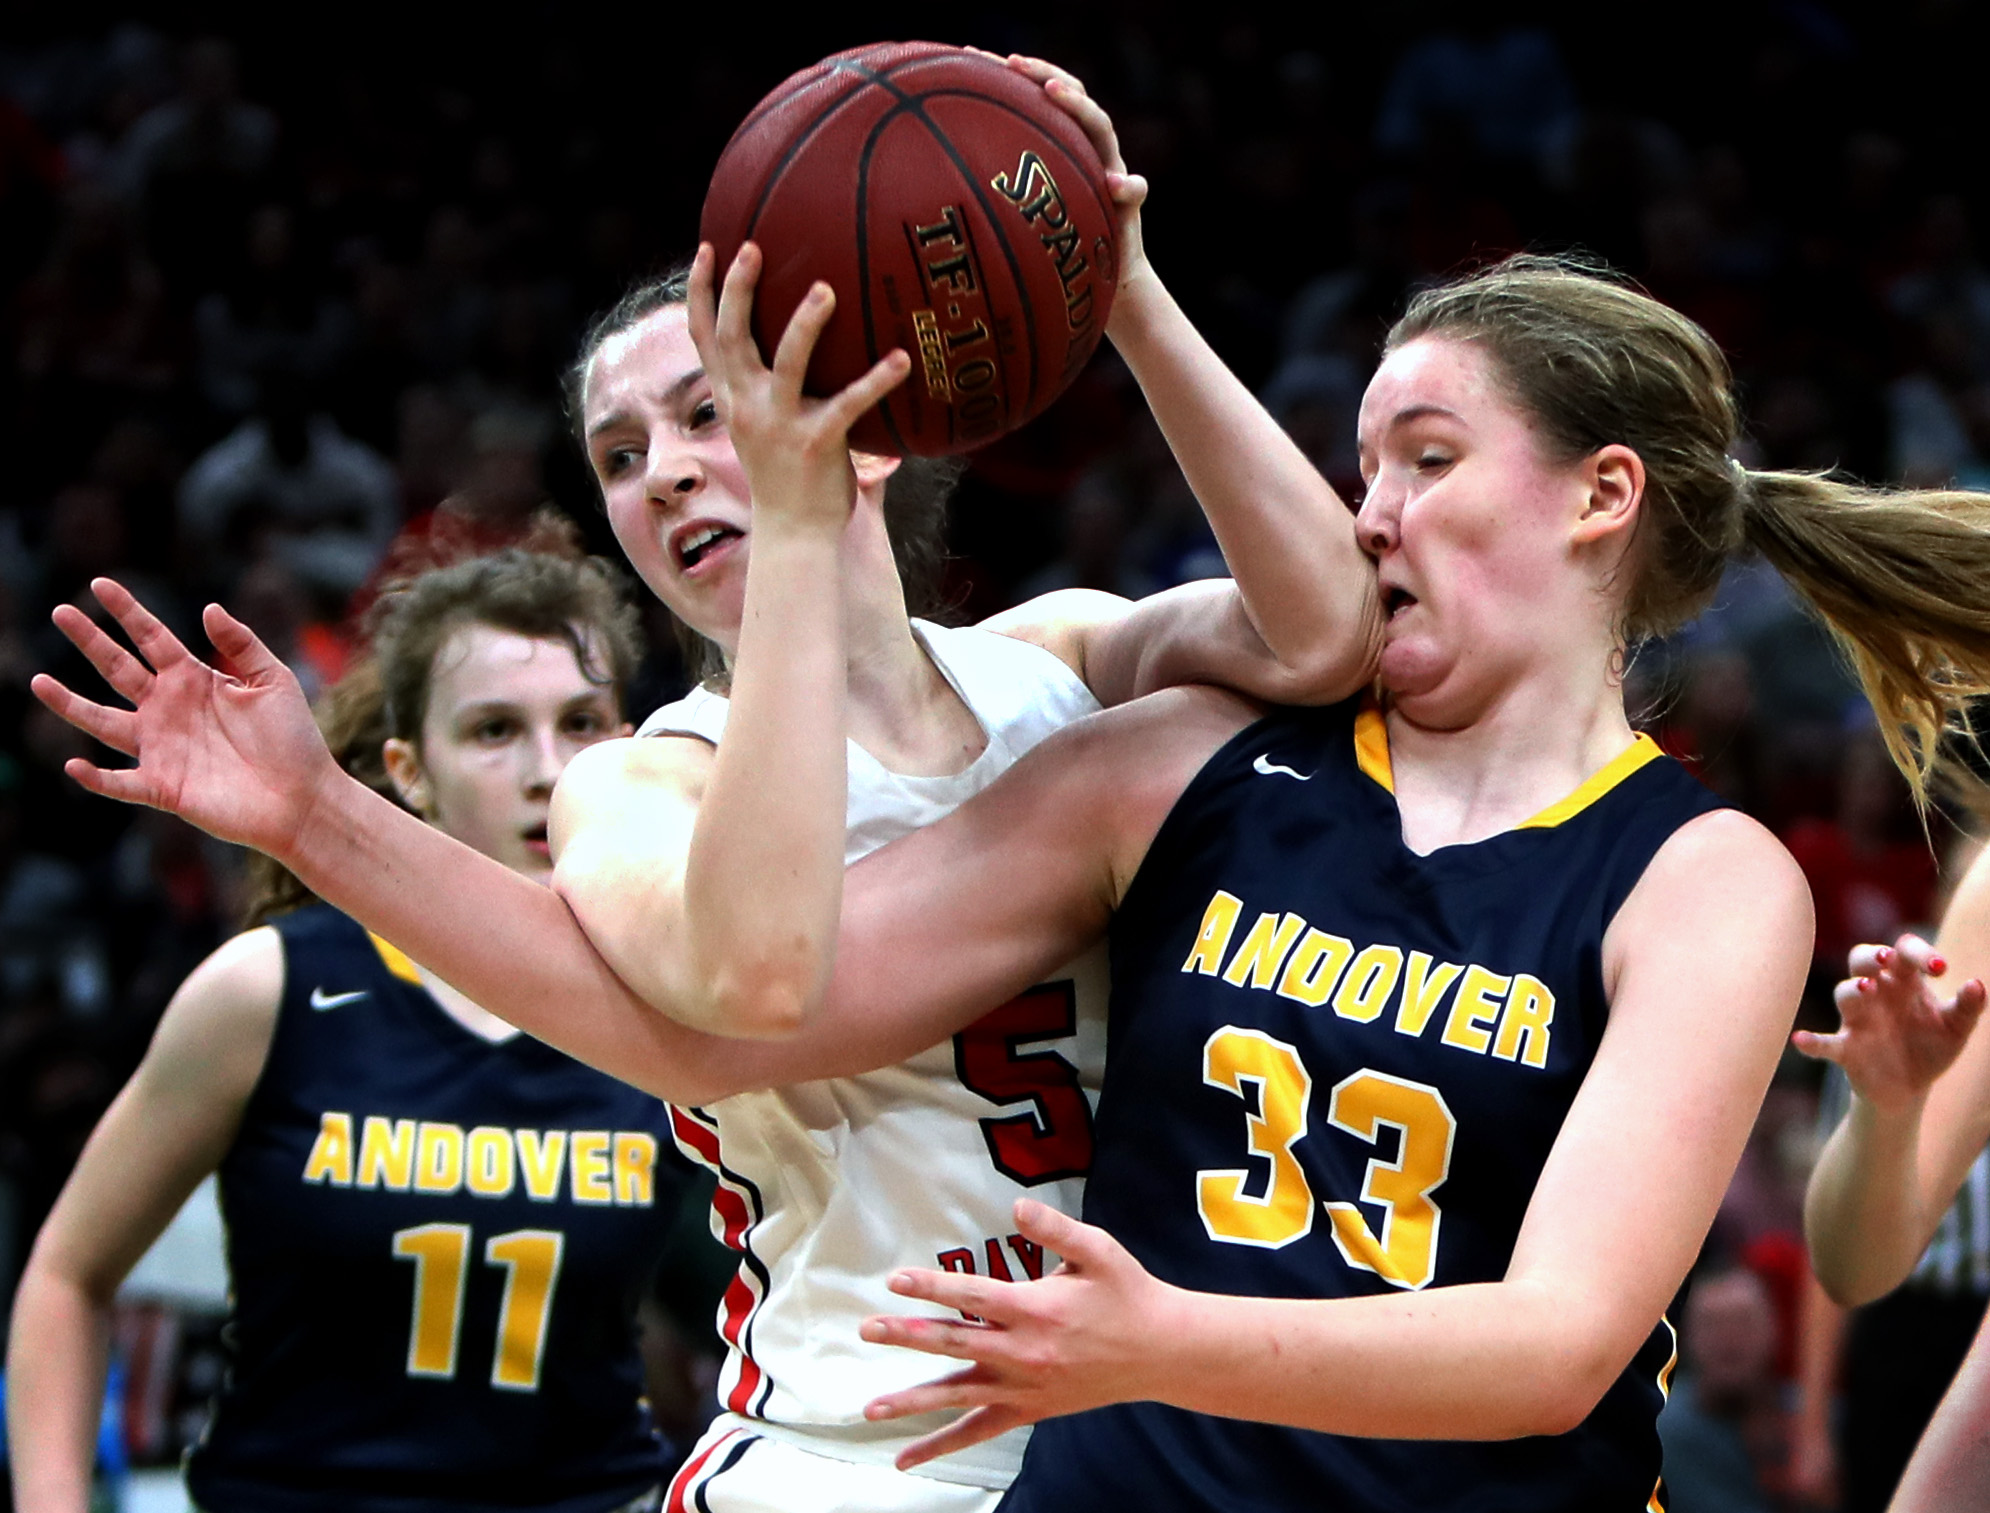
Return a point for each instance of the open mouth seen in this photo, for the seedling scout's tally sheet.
(697, 544)
(536, 840)
(1395, 601)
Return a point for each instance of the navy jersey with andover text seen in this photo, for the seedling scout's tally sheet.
(436, 1246)
(1337, 1069)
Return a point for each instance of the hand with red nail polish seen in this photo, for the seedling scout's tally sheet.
(1896, 1035)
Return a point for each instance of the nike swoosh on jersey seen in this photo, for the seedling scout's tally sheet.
(321, 1000)
(1264, 764)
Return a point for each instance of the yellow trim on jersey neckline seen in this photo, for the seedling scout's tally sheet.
(1371, 755)
(396, 960)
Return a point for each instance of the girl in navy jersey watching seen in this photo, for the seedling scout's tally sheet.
(438, 1228)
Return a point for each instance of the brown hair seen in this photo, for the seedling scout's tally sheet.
(915, 496)
(546, 589)
(1901, 578)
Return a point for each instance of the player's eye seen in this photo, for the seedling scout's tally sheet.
(705, 412)
(586, 722)
(616, 461)
(491, 731)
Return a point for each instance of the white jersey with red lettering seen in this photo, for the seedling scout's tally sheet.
(825, 1188)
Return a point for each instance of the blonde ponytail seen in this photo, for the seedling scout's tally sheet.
(1902, 579)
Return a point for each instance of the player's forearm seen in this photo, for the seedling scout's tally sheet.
(58, 1351)
(763, 880)
(1480, 1362)
(1865, 1215)
(1309, 590)
(509, 944)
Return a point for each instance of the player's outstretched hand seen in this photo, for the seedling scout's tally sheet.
(1079, 1338)
(1128, 190)
(231, 748)
(1896, 1034)
(796, 450)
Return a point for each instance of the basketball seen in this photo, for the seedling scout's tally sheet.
(957, 212)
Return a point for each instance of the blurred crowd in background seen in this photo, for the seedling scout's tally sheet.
(282, 298)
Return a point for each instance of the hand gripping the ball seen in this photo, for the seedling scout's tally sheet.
(795, 450)
(1896, 1034)
(231, 748)
(1128, 190)
(1076, 1339)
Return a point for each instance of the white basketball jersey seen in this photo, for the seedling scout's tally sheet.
(825, 1188)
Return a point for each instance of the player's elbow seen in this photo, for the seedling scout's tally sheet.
(767, 998)
(1335, 663)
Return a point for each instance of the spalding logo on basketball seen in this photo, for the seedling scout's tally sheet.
(957, 213)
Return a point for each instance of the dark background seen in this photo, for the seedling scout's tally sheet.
(278, 283)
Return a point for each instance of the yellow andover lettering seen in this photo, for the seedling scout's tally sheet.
(1257, 960)
(331, 1153)
(1218, 920)
(386, 1153)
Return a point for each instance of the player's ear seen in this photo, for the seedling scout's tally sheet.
(873, 470)
(402, 760)
(1613, 480)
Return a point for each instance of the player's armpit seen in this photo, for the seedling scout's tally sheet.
(1704, 962)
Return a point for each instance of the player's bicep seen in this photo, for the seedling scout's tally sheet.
(1705, 962)
(174, 1121)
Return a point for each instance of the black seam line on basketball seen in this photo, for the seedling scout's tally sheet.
(915, 104)
(867, 75)
(1105, 203)
(731, 1460)
(864, 267)
(847, 66)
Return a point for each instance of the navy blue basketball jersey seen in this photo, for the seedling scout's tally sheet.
(1336, 1068)
(436, 1246)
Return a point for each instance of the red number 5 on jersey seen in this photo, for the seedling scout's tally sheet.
(1053, 1139)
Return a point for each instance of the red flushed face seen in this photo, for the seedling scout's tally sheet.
(675, 492)
(1465, 515)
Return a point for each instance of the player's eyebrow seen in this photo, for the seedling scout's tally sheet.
(686, 380)
(1411, 413)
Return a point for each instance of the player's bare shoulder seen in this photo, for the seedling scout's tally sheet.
(612, 783)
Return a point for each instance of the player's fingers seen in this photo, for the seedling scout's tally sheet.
(733, 328)
(970, 1387)
(984, 1297)
(970, 1429)
(1850, 995)
(804, 329)
(1910, 952)
(116, 728)
(1867, 960)
(1091, 118)
(701, 306)
(1079, 1244)
(118, 667)
(1967, 1006)
(240, 650)
(1819, 1047)
(128, 785)
(961, 1340)
(1128, 190)
(156, 644)
(1043, 71)
(848, 407)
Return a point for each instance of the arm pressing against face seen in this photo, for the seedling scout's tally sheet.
(167, 1130)
(1920, 1109)
(1703, 976)
(1302, 622)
